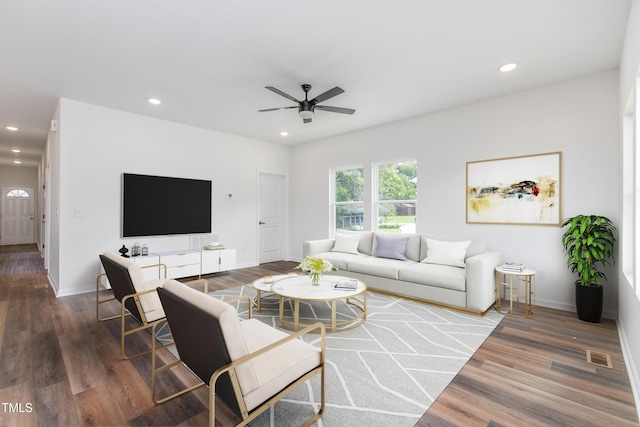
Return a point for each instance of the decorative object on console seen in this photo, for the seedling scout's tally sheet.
(589, 241)
(314, 267)
(135, 249)
(205, 241)
(123, 251)
(515, 190)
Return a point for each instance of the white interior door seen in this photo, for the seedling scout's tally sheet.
(271, 217)
(17, 216)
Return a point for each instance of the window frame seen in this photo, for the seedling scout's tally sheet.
(375, 200)
(334, 203)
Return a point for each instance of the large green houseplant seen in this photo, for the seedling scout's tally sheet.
(589, 241)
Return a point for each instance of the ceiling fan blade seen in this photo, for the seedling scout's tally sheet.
(328, 94)
(281, 93)
(306, 120)
(335, 109)
(275, 109)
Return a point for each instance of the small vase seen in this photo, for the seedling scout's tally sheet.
(315, 278)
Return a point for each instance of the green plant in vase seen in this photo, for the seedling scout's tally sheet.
(589, 242)
(314, 267)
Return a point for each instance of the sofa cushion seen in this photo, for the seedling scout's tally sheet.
(366, 240)
(446, 253)
(382, 267)
(347, 243)
(412, 251)
(476, 247)
(442, 276)
(339, 259)
(390, 247)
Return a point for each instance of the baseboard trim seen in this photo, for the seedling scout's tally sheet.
(632, 372)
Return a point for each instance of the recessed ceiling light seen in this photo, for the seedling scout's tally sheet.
(13, 128)
(508, 67)
(284, 133)
(154, 101)
(17, 162)
(15, 150)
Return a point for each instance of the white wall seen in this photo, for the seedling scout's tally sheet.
(577, 117)
(19, 175)
(629, 305)
(98, 144)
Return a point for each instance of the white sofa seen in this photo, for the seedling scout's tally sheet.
(452, 271)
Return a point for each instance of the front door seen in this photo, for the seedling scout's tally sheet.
(17, 216)
(271, 218)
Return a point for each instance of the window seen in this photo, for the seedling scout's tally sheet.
(397, 193)
(18, 193)
(348, 206)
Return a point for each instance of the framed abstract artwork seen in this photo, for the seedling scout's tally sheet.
(515, 190)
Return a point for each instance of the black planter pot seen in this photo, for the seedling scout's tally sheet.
(589, 303)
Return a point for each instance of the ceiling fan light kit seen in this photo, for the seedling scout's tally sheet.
(306, 114)
(307, 107)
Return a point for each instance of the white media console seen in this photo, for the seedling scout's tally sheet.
(183, 263)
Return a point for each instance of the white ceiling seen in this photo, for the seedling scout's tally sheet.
(209, 61)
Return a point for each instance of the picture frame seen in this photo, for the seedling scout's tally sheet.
(515, 190)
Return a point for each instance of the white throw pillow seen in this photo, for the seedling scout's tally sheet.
(446, 253)
(346, 243)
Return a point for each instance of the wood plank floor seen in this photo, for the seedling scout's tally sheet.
(61, 367)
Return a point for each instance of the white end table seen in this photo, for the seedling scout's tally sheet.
(521, 286)
(264, 285)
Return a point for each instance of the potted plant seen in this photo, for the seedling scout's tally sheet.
(589, 242)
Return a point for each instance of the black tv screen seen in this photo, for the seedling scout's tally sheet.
(159, 205)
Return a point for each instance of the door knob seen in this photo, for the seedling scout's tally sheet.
(261, 223)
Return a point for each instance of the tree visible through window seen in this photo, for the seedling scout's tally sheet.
(348, 199)
(397, 195)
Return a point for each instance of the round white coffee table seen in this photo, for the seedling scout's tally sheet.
(299, 288)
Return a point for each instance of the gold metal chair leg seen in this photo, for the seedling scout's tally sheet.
(155, 371)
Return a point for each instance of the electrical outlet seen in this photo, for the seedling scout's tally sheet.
(541, 275)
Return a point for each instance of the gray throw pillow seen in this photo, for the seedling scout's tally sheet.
(391, 247)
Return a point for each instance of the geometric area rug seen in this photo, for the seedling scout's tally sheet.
(385, 372)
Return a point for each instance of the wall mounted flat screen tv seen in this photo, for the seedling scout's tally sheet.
(160, 206)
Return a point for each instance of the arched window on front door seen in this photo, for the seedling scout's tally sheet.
(18, 193)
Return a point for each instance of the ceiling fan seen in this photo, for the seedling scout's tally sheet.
(307, 107)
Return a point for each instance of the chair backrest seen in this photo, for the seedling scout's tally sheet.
(117, 269)
(198, 322)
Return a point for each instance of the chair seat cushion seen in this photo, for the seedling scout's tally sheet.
(275, 369)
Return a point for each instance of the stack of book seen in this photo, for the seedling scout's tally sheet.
(513, 266)
(347, 285)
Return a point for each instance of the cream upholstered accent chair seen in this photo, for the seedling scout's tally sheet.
(138, 297)
(247, 364)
